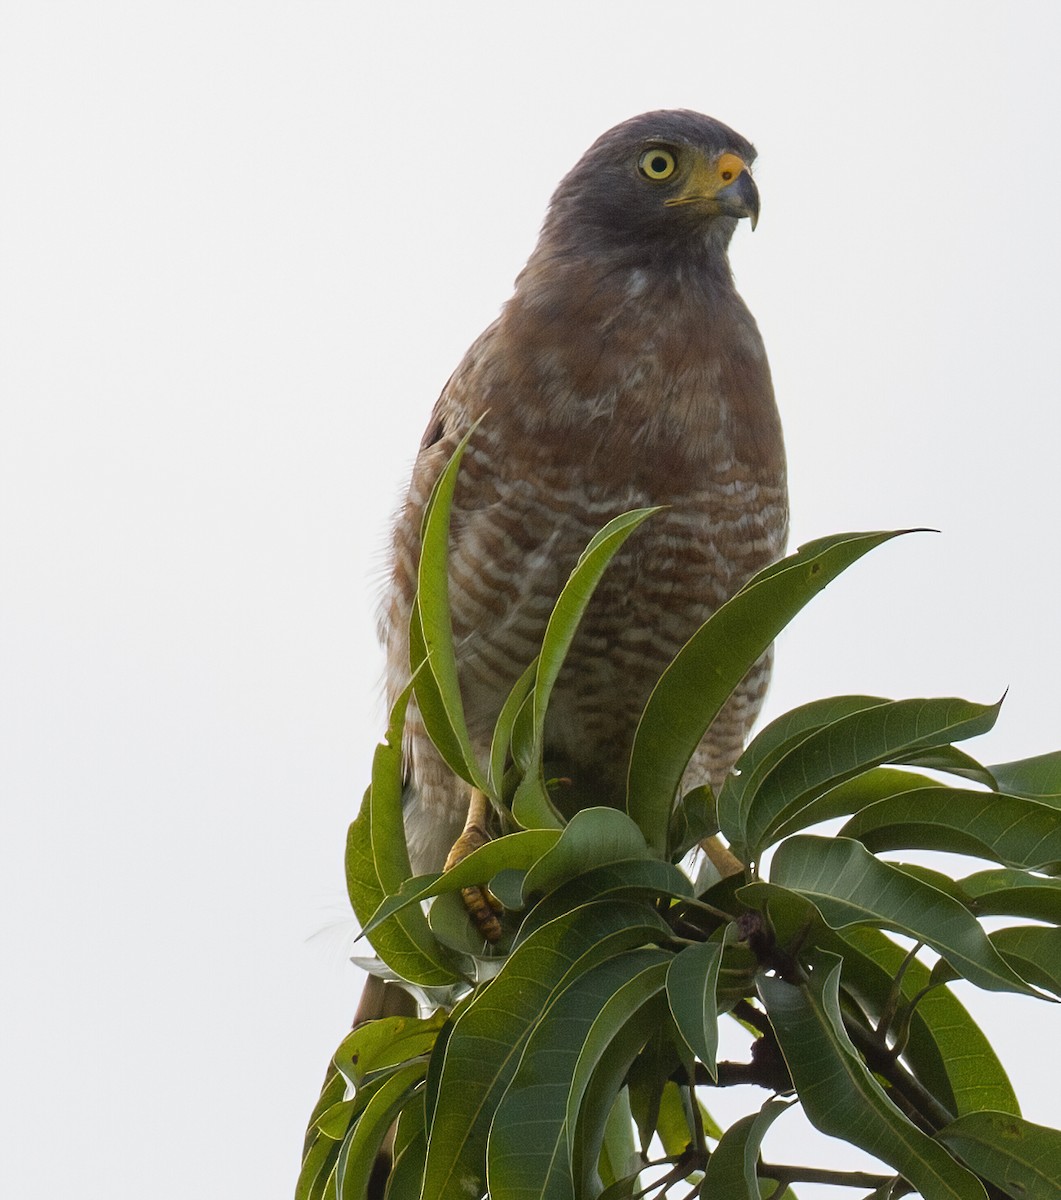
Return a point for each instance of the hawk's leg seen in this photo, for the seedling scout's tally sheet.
(724, 861)
(481, 905)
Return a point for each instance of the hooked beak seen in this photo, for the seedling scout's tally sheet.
(723, 188)
(740, 198)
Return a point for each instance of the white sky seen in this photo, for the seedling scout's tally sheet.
(241, 248)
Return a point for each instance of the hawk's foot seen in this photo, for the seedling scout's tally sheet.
(481, 904)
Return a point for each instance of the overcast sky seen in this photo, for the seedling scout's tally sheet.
(242, 246)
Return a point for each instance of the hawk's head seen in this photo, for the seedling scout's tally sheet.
(663, 184)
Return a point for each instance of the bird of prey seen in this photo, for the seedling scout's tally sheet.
(624, 372)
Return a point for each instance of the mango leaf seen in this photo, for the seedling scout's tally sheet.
(572, 604)
(386, 1042)
(841, 1097)
(694, 819)
(846, 748)
(871, 961)
(502, 738)
(644, 878)
(693, 689)
(594, 1139)
(1022, 1159)
(450, 923)
(1009, 893)
(851, 796)
(731, 1170)
(513, 851)
(487, 1040)
(377, 863)
(431, 633)
(671, 1121)
(361, 1145)
(771, 745)
(1034, 951)
(849, 886)
(594, 837)
(1008, 829)
(320, 1151)
(549, 1084)
(954, 762)
(618, 1152)
(317, 1176)
(1037, 778)
(407, 1174)
(531, 805)
(946, 1050)
(691, 986)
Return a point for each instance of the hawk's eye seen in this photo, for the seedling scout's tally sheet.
(656, 164)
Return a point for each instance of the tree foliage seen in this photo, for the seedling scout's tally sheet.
(577, 1057)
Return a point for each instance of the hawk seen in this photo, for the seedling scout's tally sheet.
(625, 371)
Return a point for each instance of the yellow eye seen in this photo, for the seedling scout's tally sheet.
(656, 164)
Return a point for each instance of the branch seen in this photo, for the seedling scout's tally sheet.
(786, 1175)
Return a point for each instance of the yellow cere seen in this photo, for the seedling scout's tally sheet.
(729, 166)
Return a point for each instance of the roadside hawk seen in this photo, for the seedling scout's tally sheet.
(625, 371)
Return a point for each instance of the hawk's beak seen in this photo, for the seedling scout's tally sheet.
(740, 198)
(724, 187)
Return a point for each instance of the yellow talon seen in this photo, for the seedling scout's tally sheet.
(480, 902)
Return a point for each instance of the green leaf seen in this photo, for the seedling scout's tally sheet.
(846, 748)
(696, 685)
(1008, 829)
(599, 1151)
(529, 1154)
(626, 1018)
(531, 805)
(618, 1152)
(947, 1051)
(851, 796)
(513, 851)
(487, 1040)
(691, 985)
(594, 837)
(1022, 1159)
(771, 745)
(1034, 951)
(1009, 893)
(377, 863)
(431, 633)
(731, 1170)
(407, 1174)
(316, 1179)
(643, 878)
(694, 819)
(841, 1097)
(572, 603)
(361, 1145)
(502, 739)
(1037, 778)
(386, 1042)
(849, 886)
(672, 1122)
(320, 1151)
(954, 762)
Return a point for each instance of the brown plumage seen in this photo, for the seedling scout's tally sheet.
(625, 371)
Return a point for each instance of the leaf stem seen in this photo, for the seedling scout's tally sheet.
(895, 994)
(925, 1105)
